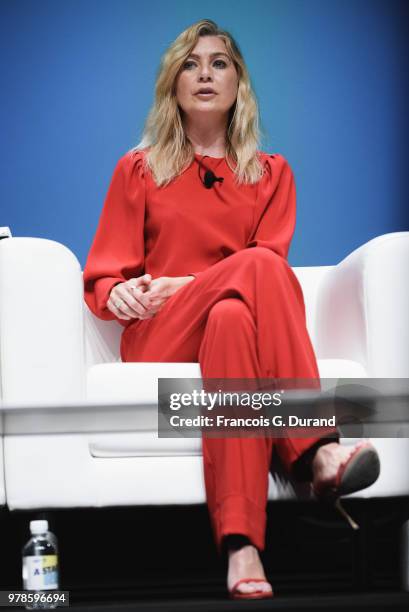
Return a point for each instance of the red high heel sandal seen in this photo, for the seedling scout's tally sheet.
(358, 471)
(234, 593)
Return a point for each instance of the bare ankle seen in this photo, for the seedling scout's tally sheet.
(235, 541)
(304, 467)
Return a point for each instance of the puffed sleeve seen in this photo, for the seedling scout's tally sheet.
(117, 251)
(275, 213)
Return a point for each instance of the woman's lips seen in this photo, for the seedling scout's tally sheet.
(205, 95)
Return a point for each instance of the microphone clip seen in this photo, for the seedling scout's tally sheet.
(209, 177)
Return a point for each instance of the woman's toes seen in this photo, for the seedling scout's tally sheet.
(245, 563)
(252, 587)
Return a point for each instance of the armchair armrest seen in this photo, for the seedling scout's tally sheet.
(363, 306)
(41, 322)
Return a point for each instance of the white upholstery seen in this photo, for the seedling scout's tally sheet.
(356, 317)
(363, 308)
(41, 321)
(126, 469)
(127, 382)
(2, 481)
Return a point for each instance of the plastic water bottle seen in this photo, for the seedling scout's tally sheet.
(40, 565)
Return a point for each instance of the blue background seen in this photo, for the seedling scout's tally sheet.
(330, 76)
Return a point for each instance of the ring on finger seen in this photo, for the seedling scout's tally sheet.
(118, 303)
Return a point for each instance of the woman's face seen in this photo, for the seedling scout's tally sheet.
(208, 67)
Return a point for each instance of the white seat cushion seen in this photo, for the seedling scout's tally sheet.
(137, 382)
(133, 382)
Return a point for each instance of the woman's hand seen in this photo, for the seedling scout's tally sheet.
(128, 300)
(142, 297)
(162, 288)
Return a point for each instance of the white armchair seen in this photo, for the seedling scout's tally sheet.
(85, 445)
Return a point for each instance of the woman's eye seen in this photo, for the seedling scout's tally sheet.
(219, 63)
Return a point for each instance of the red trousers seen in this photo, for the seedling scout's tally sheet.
(243, 317)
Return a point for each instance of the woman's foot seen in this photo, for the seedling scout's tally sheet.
(328, 460)
(326, 463)
(244, 562)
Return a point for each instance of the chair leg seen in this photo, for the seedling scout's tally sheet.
(404, 541)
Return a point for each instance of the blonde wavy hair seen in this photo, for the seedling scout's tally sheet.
(168, 150)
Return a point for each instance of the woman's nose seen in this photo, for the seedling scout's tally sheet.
(204, 74)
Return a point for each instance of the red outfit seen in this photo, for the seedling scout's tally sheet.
(242, 317)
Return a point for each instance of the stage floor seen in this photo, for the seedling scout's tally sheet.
(362, 602)
(164, 558)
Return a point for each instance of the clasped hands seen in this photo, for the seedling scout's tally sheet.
(143, 297)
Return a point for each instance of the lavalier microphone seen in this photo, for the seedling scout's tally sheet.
(209, 178)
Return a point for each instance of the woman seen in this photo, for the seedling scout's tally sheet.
(190, 256)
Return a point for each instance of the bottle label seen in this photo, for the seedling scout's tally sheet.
(40, 572)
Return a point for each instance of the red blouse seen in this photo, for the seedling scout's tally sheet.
(184, 228)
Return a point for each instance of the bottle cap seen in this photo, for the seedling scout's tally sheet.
(37, 527)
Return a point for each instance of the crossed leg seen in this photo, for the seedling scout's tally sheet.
(243, 317)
